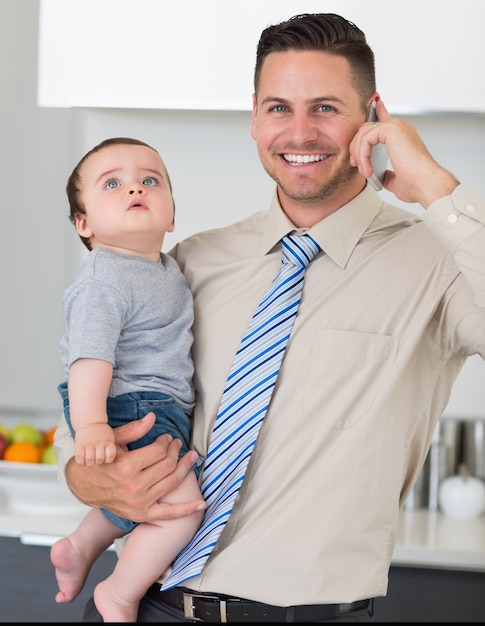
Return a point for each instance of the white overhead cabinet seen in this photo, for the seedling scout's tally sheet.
(156, 54)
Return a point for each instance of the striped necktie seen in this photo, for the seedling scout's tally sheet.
(245, 401)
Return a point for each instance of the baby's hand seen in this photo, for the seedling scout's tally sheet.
(95, 444)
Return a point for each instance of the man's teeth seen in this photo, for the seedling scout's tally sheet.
(304, 158)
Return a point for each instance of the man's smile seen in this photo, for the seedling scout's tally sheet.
(304, 158)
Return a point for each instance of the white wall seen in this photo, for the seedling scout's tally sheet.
(36, 238)
(217, 179)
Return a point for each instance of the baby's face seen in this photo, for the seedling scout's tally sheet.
(127, 197)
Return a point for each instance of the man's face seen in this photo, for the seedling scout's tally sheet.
(304, 118)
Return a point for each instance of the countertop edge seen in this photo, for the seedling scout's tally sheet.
(425, 538)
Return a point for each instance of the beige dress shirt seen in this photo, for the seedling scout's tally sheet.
(390, 310)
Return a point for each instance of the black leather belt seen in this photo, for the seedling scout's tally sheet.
(220, 608)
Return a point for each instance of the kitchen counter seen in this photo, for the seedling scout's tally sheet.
(430, 539)
(425, 538)
(40, 529)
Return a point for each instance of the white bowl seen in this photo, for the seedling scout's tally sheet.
(34, 488)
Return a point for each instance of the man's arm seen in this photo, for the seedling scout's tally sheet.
(454, 214)
(134, 483)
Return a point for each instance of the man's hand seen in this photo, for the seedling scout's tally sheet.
(415, 175)
(135, 482)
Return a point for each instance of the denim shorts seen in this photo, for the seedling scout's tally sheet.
(170, 418)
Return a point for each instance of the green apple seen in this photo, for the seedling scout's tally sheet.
(5, 431)
(49, 455)
(26, 432)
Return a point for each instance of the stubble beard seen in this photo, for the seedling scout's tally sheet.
(308, 191)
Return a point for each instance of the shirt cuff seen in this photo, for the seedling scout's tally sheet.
(456, 217)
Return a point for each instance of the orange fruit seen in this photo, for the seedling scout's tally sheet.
(48, 436)
(22, 452)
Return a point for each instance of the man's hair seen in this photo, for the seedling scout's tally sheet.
(73, 187)
(323, 32)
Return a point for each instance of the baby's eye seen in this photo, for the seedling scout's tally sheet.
(112, 184)
(150, 181)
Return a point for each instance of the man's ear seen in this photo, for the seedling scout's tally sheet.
(253, 117)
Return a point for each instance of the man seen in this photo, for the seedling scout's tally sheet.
(391, 308)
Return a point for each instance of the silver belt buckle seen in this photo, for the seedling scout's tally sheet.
(189, 606)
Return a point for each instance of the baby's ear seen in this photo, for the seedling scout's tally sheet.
(82, 226)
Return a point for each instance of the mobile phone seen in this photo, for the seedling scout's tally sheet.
(379, 157)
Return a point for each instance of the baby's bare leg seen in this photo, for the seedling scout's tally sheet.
(148, 551)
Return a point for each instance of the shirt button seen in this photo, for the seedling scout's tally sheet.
(470, 208)
(452, 219)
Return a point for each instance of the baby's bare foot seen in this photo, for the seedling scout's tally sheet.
(111, 606)
(71, 567)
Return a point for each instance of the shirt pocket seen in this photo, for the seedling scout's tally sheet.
(346, 371)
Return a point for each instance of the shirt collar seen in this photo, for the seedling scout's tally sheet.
(337, 234)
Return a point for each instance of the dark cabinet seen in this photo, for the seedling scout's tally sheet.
(432, 595)
(28, 588)
(28, 585)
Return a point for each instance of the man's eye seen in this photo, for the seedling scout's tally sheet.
(112, 184)
(279, 108)
(149, 181)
